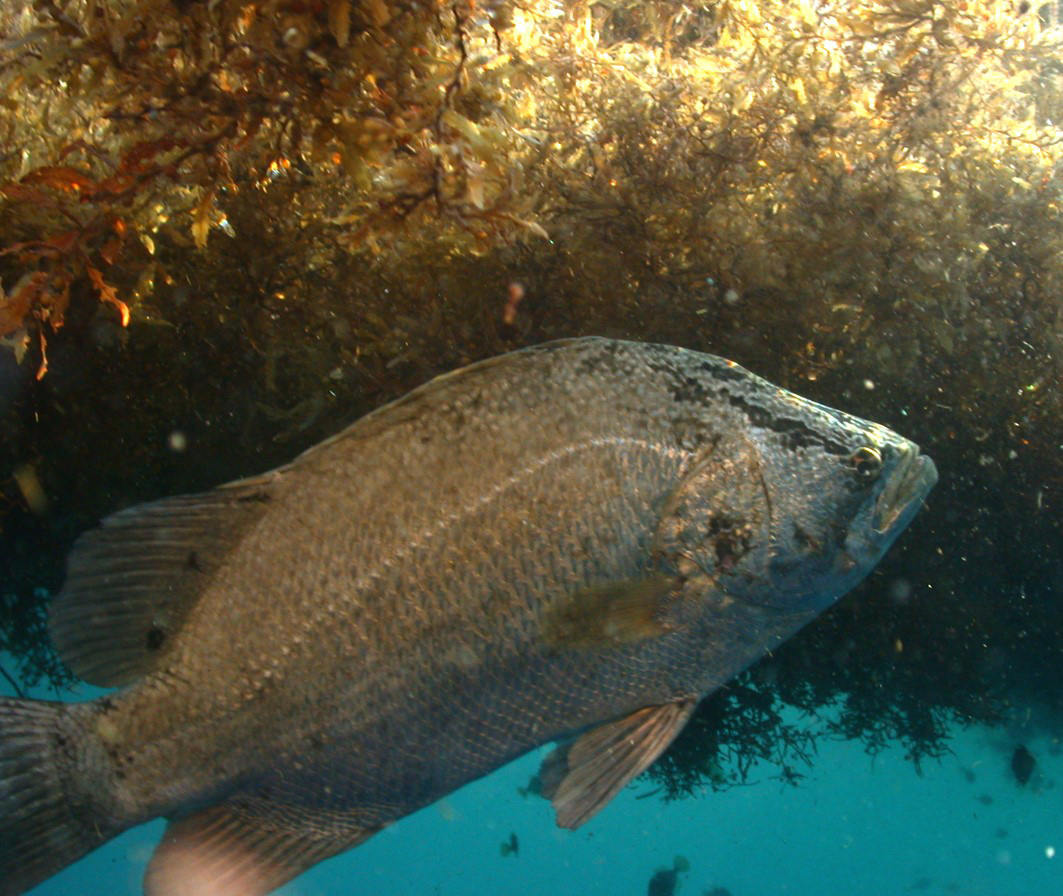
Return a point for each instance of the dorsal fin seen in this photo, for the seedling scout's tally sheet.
(131, 582)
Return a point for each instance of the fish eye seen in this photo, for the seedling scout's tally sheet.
(866, 461)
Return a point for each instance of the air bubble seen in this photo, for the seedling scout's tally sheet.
(900, 591)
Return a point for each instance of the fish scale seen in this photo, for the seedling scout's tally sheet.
(572, 542)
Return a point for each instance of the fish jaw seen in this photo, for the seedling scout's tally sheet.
(904, 493)
(873, 532)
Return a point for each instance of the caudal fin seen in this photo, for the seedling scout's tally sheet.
(43, 826)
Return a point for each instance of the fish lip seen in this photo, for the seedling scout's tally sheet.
(905, 490)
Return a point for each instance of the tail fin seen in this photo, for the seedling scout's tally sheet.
(43, 826)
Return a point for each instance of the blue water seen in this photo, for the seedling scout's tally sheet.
(856, 825)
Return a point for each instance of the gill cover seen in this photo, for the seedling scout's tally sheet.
(715, 522)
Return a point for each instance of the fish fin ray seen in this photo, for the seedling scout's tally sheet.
(131, 582)
(245, 847)
(580, 777)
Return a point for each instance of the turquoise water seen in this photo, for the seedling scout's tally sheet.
(855, 825)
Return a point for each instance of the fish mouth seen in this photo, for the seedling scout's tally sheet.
(905, 490)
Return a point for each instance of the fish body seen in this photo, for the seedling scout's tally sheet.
(510, 847)
(1022, 764)
(574, 541)
(665, 881)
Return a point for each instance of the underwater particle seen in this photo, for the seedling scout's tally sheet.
(985, 799)
(514, 296)
(177, 441)
(1022, 764)
(1001, 833)
(534, 787)
(1003, 857)
(665, 881)
(869, 385)
(969, 776)
(731, 297)
(900, 591)
(30, 486)
(1050, 852)
(510, 847)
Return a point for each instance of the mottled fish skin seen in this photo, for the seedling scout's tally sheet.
(321, 650)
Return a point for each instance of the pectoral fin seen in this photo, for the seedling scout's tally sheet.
(236, 849)
(610, 614)
(580, 777)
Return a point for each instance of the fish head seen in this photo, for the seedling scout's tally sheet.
(795, 503)
(837, 492)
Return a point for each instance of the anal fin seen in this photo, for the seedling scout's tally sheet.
(240, 848)
(582, 776)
